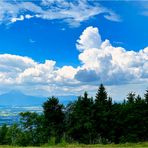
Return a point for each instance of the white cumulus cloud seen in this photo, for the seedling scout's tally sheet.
(108, 64)
(18, 72)
(100, 63)
(90, 38)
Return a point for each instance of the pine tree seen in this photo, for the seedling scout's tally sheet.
(138, 99)
(54, 118)
(101, 96)
(131, 97)
(80, 125)
(101, 114)
(109, 102)
(146, 96)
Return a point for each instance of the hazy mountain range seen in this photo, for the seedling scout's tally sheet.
(16, 98)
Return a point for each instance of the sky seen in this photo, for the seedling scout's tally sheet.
(66, 47)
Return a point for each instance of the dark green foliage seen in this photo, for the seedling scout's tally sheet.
(3, 134)
(102, 113)
(16, 136)
(138, 99)
(146, 96)
(53, 118)
(131, 97)
(32, 126)
(85, 120)
(80, 120)
(101, 96)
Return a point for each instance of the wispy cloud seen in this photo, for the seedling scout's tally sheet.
(143, 5)
(31, 40)
(145, 13)
(71, 12)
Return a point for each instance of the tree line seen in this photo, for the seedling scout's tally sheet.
(87, 120)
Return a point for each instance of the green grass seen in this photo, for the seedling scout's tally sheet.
(128, 145)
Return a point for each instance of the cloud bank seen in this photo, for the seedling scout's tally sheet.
(110, 65)
(100, 63)
(71, 12)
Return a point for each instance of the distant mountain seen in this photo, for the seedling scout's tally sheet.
(16, 98)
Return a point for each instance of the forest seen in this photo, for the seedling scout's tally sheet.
(86, 120)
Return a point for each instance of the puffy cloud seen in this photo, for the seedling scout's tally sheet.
(90, 38)
(107, 64)
(38, 73)
(71, 12)
(100, 63)
(86, 76)
(66, 72)
(25, 74)
(15, 62)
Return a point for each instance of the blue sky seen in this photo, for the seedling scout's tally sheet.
(47, 44)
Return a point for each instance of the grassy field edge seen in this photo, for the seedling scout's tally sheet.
(129, 145)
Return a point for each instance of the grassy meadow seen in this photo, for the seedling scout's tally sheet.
(128, 145)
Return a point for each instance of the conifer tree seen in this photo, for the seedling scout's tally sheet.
(101, 95)
(138, 99)
(146, 96)
(54, 118)
(109, 102)
(80, 123)
(131, 97)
